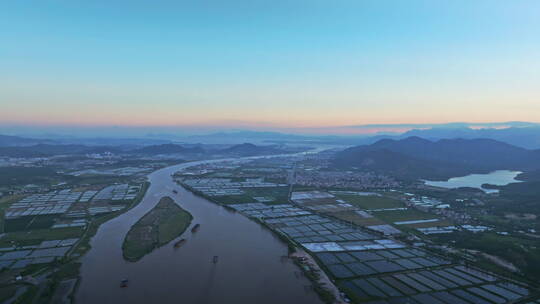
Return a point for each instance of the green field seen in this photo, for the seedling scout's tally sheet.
(34, 237)
(173, 227)
(5, 202)
(6, 292)
(279, 195)
(19, 176)
(29, 223)
(349, 216)
(520, 250)
(159, 226)
(371, 202)
(403, 215)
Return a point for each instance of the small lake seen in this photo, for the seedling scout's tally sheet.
(499, 178)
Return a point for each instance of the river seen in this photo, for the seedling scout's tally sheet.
(250, 268)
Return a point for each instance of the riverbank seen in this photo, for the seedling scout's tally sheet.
(244, 274)
(323, 286)
(59, 280)
(158, 227)
(83, 246)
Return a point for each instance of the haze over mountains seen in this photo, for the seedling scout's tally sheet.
(20, 141)
(528, 137)
(13, 141)
(167, 149)
(521, 134)
(245, 149)
(46, 150)
(439, 152)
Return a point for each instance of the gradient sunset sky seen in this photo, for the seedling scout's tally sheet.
(270, 64)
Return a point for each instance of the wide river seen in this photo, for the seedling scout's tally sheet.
(250, 268)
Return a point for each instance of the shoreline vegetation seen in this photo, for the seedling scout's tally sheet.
(165, 222)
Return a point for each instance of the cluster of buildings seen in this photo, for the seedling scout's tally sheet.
(126, 171)
(450, 229)
(438, 207)
(425, 203)
(321, 201)
(344, 179)
(21, 161)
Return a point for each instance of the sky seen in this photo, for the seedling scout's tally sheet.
(268, 64)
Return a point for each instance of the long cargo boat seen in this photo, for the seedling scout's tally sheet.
(179, 243)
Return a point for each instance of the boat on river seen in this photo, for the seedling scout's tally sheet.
(179, 243)
(124, 283)
(195, 228)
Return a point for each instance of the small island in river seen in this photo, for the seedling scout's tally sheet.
(159, 226)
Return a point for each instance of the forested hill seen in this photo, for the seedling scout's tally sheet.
(415, 157)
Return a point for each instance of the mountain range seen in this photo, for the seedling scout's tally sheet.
(525, 137)
(521, 134)
(45, 150)
(168, 149)
(248, 149)
(415, 157)
(13, 141)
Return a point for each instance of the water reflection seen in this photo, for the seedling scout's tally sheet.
(499, 178)
(249, 270)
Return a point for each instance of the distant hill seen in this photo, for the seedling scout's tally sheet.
(26, 175)
(23, 152)
(15, 141)
(168, 149)
(247, 149)
(486, 153)
(112, 141)
(43, 150)
(239, 137)
(524, 137)
(415, 157)
(531, 176)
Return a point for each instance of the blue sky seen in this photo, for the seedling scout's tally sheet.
(269, 64)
